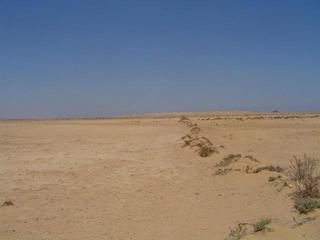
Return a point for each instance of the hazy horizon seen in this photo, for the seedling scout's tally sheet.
(103, 58)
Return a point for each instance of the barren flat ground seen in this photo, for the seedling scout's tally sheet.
(153, 176)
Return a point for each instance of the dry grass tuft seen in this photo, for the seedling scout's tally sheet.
(238, 232)
(306, 177)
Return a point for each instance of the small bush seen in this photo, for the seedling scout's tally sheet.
(305, 175)
(261, 225)
(252, 158)
(7, 203)
(269, 168)
(195, 130)
(228, 159)
(305, 205)
(183, 118)
(237, 233)
(272, 179)
(206, 150)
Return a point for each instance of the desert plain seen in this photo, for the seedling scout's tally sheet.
(154, 176)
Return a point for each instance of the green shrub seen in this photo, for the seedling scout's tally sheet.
(305, 205)
(261, 225)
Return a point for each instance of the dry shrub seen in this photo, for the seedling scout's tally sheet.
(203, 145)
(238, 232)
(195, 130)
(304, 220)
(270, 168)
(187, 140)
(223, 171)
(305, 175)
(261, 225)
(206, 150)
(188, 123)
(252, 158)
(229, 159)
(272, 179)
(183, 118)
(7, 203)
(206, 140)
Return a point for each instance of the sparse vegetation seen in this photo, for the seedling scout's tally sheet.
(261, 225)
(183, 118)
(7, 203)
(229, 159)
(237, 233)
(206, 150)
(195, 130)
(223, 171)
(252, 158)
(272, 179)
(161, 161)
(241, 230)
(187, 139)
(270, 168)
(305, 175)
(203, 145)
(240, 119)
(306, 205)
(303, 221)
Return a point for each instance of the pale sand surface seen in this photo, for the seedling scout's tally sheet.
(131, 178)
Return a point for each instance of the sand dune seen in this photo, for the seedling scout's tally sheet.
(154, 176)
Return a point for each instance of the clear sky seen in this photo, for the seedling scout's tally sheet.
(80, 58)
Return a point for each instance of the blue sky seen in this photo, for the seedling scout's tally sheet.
(81, 58)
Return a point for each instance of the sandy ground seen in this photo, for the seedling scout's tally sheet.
(133, 178)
